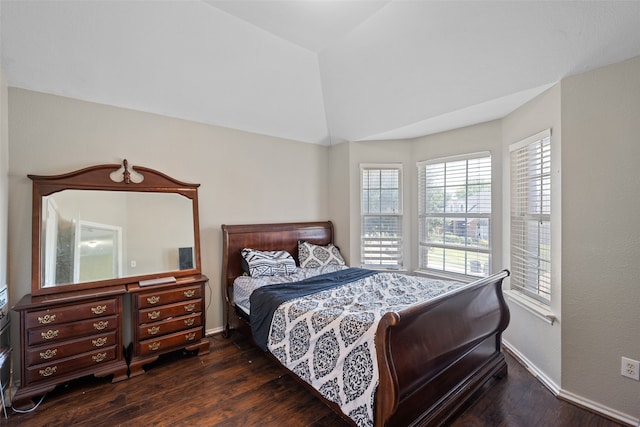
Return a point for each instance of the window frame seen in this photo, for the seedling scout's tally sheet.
(399, 264)
(424, 244)
(520, 214)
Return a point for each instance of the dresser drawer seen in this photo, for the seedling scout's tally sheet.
(72, 330)
(155, 299)
(60, 350)
(71, 313)
(164, 327)
(70, 364)
(176, 340)
(172, 310)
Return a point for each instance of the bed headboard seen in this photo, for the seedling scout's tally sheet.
(267, 237)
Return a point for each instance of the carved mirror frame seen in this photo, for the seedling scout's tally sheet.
(107, 177)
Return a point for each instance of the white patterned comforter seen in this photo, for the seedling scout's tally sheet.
(328, 338)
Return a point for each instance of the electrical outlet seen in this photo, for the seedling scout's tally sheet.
(630, 368)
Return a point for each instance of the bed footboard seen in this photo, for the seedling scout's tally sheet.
(434, 356)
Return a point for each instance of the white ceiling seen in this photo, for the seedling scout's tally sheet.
(313, 25)
(314, 71)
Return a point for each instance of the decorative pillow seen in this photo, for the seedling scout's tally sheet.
(314, 256)
(267, 263)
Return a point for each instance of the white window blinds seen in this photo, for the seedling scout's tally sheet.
(531, 216)
(454, 214)
(381, 209)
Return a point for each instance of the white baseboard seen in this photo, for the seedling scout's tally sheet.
(210, 332)
(568, 396)
(600, 409)
(537, 373)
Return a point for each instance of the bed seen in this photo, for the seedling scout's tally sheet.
(431, 357)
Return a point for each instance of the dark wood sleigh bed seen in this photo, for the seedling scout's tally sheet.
(432, 357)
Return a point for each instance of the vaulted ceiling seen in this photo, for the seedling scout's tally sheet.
(313, 71)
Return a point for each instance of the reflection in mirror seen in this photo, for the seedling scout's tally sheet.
(92, 235)
(99, 252)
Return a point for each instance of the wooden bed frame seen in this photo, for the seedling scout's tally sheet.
(432, 357)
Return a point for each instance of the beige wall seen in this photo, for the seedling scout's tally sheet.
(4, 186)
(601, 234)
(537, 341)
(339, 198)
(594, 120)
(244, 177)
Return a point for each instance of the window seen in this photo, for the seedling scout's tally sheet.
(531, 216)
(454, 215)
(381, 209)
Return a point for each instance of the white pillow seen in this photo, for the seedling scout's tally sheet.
(267, 263)
(314, 256)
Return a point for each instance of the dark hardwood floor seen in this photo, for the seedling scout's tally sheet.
(237, 385)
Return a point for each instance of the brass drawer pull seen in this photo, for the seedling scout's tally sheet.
(153, 300)
(190, 337)
(101, 325)
(99, 342)
(154, 330)
(189, 293)
(50, 334)
(153, 315)
(99, 309)
(49, 354)
(190, 322)
(99, 357)
(46, 319)
(154, 346)
(50, 370)
(189, 307)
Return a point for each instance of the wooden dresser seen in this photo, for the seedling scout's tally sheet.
(166, 318)
(98, 235)
(68, 336)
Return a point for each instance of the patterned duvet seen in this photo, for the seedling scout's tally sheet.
(328, 338)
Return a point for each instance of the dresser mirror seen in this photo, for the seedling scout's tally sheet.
(110, 225)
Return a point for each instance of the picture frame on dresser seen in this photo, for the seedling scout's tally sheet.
(105, 241)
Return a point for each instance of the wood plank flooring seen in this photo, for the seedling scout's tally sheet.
(237, 385)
